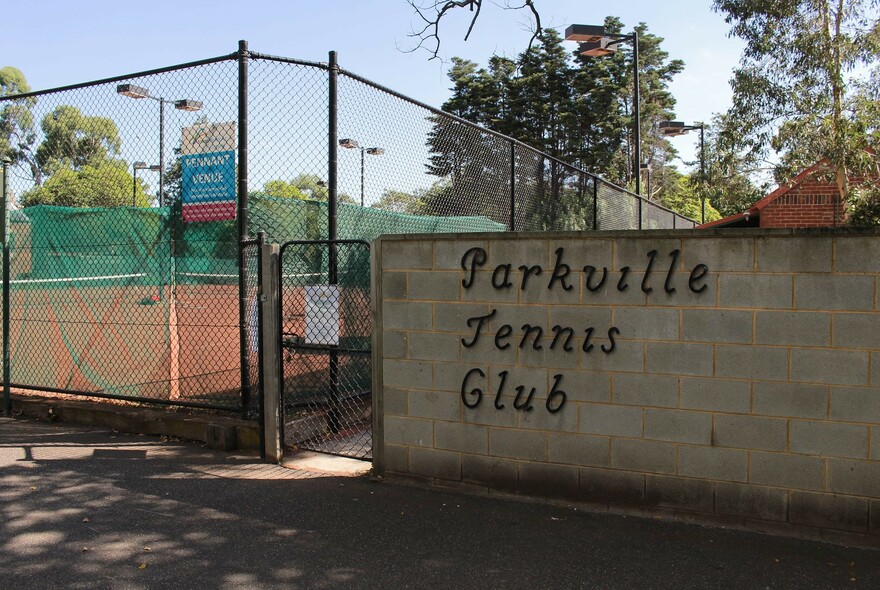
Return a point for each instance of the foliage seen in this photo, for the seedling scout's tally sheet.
(73, 140)
(402, 202)
(797, 95)
(108, 184)
(864, 207)
(303, 186)
(687, 199)
(575, 108)
(17, 132)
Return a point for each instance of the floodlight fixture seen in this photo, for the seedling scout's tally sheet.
(673, 128)
(597, 48)
(349, 143)
(596, 42)
(133, 91)
(188, 105)
(585, 33)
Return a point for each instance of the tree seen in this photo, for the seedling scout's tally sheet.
(107, 184)
(303, 186)
(687, 200)
(573, 108)
(401, 202)
(731, 172)
(17, 132)
(795, 94)
(73, 140)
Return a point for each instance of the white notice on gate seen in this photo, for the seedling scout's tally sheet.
(322, 314)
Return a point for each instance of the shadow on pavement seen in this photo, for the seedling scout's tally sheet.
(91, 509)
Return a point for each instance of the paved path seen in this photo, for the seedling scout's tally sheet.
(92, 509)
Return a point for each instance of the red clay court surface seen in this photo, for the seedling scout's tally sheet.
(117, 340)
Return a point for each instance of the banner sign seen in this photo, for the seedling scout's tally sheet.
(208, 172)
(208, 186)
(204, 138)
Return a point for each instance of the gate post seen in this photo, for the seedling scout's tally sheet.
(270, 348)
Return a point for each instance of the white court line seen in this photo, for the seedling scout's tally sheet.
(69, 279)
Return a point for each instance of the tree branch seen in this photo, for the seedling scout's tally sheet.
(432, 12)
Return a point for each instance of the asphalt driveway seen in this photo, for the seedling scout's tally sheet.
(94, 509)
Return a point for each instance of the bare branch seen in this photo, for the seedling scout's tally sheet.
(433, 11)
(538, 30)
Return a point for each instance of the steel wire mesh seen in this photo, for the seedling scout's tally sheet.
(111, 293)
(326, 330)
(116, 291)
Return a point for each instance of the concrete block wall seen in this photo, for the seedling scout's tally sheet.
(734, 373)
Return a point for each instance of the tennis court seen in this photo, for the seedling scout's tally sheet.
(117, 335)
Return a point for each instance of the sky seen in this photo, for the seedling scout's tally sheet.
(57, 43)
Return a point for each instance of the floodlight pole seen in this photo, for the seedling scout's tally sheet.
(702, 176)
(596, 42)
(679, 128)
(638, 131)
(138, 92)
(350, 144)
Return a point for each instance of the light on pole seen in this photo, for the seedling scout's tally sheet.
(135, 166)
(138, 92)
(595, 42)
(675, 128)
(351, 144)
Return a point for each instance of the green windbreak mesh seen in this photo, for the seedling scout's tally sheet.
(132, 302)
(71, 242)
(89, 300)
(293, 219)
(286, 219)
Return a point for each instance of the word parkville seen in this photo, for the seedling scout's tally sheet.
(537, 335)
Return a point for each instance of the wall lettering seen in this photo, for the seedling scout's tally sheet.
(556, 339)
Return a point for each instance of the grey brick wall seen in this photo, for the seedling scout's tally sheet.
(757, 397)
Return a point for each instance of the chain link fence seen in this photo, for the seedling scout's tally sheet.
(132, 200)
(326, 326)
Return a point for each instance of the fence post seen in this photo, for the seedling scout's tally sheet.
(332, 150)
(242, 191)
(640, 212)
(270, 352)
(332, 271)
(4, 228)
(596, 182)
(512, 186)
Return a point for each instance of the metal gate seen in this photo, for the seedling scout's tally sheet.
(326, 327)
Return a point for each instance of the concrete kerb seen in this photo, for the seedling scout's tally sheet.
(217, 432)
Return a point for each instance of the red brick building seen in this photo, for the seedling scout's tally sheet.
(809, 200)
